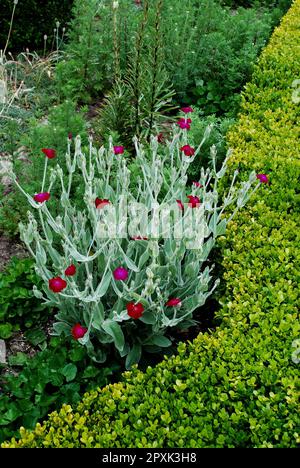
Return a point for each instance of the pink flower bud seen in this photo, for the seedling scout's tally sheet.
(41, 197)
(187, 110)
(101, 203)
(180, 205)
(71, 270)
(263, 178)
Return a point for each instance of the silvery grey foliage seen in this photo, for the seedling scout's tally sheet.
(169, 264)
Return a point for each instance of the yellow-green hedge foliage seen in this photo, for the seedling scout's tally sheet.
(237, 386)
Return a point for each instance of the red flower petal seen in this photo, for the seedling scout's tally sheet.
(50, 153)
(188, 150)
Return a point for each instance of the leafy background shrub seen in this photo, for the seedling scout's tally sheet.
(238, 386)
(158, 269)
(210, 53)
(283, 4)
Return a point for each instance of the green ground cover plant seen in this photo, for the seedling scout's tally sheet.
(33, 386)
(32, 20)
(237, 386)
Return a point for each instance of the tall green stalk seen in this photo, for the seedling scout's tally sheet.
(137, 67)
(155, 63)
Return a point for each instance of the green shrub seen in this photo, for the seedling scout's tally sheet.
(139, 100)
(277, 8)
(236, 387)
(19, 308)
(98, 242)
(225, 50)
(33, 19)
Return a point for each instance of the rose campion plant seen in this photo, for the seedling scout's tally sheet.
(129, 290)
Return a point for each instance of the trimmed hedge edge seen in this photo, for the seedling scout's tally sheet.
(235, 387)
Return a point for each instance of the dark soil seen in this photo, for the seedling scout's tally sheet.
(10, 248)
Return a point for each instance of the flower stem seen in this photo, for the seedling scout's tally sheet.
(44, 176)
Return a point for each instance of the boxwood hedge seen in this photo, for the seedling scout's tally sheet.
(235, 387)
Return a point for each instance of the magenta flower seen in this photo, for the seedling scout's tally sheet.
(120, 274)
(194, 201)
(50, 153)
(187, 110)
(184, 124)
(175, 302)
(71, 270)
(263, 178)
(78, 331)
(188, 150)
(160, 138)
(197, 184)
(119, 149)
(70, 136)
(57, 284)
(41, 197)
